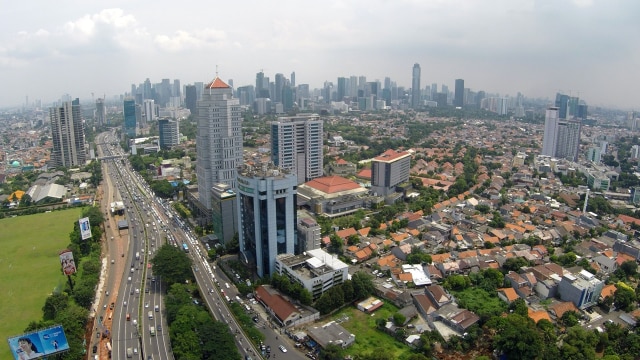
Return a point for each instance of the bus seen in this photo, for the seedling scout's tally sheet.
(185, 247)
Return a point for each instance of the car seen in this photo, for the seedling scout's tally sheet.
(95, 349)
(282, 348)
(111, 306)
(159, 327)
(113, 261)
(135, 350)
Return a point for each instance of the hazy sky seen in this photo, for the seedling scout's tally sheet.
(78, 47)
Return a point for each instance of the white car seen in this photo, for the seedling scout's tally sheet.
(282, 348)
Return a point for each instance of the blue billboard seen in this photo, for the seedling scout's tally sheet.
(37, 344)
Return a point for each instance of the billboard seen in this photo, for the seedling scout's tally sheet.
(66, 260)
(37, 344)
(85, 228)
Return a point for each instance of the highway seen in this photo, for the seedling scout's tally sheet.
(133, 331)
(151, 221)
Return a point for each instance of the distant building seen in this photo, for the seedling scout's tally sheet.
(582, 289)
(296, 145)
(415, 86)
(389, 170)
(129, 125)
(316, 270)
(169, 133)
(190, 98)
(458, 97)
(67, 132)
(561, 137)
(266, 216)
(101, 113)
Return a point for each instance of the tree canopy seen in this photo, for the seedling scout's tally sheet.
(172, 265)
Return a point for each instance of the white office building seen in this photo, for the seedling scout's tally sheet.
(219, 139)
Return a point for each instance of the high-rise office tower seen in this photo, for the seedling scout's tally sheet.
(130, 123)
(353, 86)
(218, 139)
(568, 142)
(342, 89)
(169, 131)
(190, 98)
(296, 145)
(146, 90)
(177, 89)
(561, 137)
(550, 132)
(199, 88)
(262, 85)
(562, 103)
(149, 110)
(434, 91)
(246, 94)
(458, 97)
(67, 132)
(266, 216)
(101, 112)
(293, 79)
(415, 86)
(278, 89)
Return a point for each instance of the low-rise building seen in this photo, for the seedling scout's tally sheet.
(331, 333)
(331, 196)
(284, 311)
(316, 270)
(582, 289)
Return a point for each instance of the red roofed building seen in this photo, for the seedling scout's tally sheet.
(388, 170)
(282, 309)
(331, 195)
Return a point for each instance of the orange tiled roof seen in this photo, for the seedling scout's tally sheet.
(364, 231)
(346, 233)
(332, 184)
(217, 83)
(405, 277)
(608, 290)
(539, 315)
(509, 293)
(390, 155)
(364, 174)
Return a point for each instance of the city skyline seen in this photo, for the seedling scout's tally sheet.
(537, 48)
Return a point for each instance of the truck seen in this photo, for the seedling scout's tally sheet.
(129, 352)
(137, 256)
(152, 331)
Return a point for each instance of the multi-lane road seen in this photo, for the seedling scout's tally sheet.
(138, 326)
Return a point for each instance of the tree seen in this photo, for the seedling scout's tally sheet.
(519, 306)
(630, 268)
(399, 319)
(570, 318)
(483, 208)
(331, 352)
(515, 263)
(55, 303)
(624, 297)
(172, 265)
(517, 337)
(579, 344)
(457, 282)
(336, 244)
(362, 285)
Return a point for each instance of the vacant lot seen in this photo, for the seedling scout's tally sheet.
(368, 337)
(30, 267)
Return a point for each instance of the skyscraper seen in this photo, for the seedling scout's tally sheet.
(266, 216)
(279, 86)
(101, 112)
(149, 110)
(561, 137)
(415, 86)
(296, 145)
(342, 88)
(67, 132)
(129, 112)
(293, 79)
(190, 98)
(169, 131)
(562, 103)
(218, 139)
(458, 99)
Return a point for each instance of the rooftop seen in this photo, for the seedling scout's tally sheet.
(391, 156)
(332, 184)
(217, 83)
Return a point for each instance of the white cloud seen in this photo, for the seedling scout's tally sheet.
(183, 40)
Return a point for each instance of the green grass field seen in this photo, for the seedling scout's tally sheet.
(30, 267)
(367, 336)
